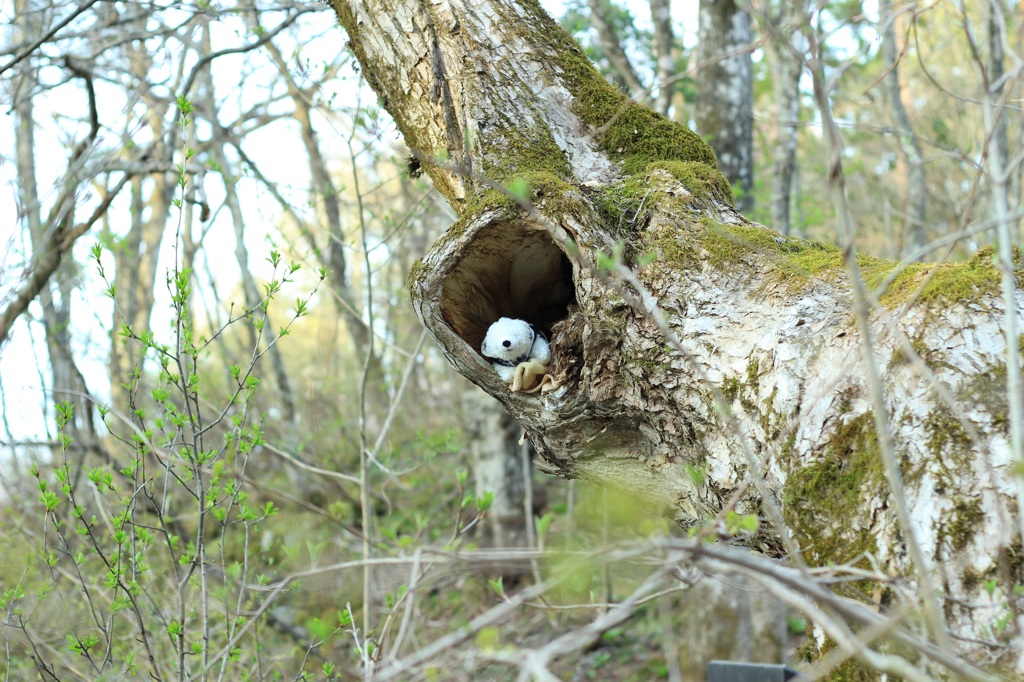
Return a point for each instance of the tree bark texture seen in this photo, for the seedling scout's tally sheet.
(492, 436)
(664, 43)
(786, 66)
(724, 111)
(722, 351)
(910, 148)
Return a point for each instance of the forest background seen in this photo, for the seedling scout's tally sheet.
(229, 450)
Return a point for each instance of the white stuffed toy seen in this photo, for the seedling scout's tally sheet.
(515, 347)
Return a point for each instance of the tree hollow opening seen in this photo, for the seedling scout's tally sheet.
(507, 271)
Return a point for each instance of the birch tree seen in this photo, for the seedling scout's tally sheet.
(910, 148)
(725, 92)
(701, 361)
(782, 27)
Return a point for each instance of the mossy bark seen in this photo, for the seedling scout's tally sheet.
(550, 167)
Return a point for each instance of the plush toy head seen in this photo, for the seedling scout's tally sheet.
(509, 340)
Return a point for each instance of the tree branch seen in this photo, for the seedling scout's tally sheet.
(52, 32)
(612, 48)
(59, 237)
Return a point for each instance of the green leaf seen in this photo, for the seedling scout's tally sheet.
(737, 523)
(541, 523)
(184, 106)
(519, 189)
(646, 259)
(695, 474)
(318, 628)
(488, 639)
(605, 263)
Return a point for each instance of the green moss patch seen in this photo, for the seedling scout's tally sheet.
(628, 132)
(415, 272)
(850, 670)
(822, 501)
(970, 580)
(520, 153)
(933, 358)
(697, 177)
(950, 445)
(545, 190)
(725, 246)
(797, 261)
(1011, 559)
(624, 206)
(965, 518)
(987, 390)
(542, 189)
(950, 282)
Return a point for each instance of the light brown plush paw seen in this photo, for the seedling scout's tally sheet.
(528, 376)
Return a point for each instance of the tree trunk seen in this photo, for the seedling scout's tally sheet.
(207, 100)
(910, 148)
(493, 436)
(137, 253)
(612, 48)
(784, 60)
(664, 43)
(726, 370)
(724, 111)
(996, 33)
(66, 381)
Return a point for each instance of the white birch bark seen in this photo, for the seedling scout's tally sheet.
(784, 47)
(724, 111)
(910, 148)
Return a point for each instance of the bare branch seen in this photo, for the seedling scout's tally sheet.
(49, 35)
